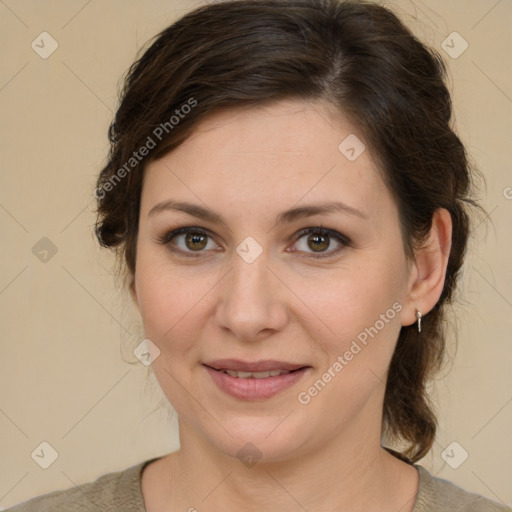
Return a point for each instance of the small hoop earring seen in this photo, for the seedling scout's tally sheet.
(418, 316)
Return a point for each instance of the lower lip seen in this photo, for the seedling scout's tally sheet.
(255, 389)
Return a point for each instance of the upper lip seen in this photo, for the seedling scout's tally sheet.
(254, 366)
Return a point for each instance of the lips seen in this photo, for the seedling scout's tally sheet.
(255, 380)
(255, 385)
(237, 365)
(255, 375)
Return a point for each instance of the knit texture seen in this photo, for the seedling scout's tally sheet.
(121, 492)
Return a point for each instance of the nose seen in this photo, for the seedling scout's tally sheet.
(251, 300)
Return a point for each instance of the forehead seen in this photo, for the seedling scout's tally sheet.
(265, 158)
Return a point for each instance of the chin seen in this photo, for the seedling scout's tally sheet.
(262, 440)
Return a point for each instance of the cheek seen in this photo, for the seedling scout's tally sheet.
(169, 296)
(362, 313)
(352, 299)
(170, 304)
(358, 308)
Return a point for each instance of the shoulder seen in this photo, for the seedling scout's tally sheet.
(118, 491)
(439, 495)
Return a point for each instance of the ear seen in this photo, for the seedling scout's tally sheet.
(428, 270)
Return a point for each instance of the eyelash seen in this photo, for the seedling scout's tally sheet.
(317, 230)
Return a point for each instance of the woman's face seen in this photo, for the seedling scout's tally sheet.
(250, 283)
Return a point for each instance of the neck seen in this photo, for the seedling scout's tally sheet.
(351, 469)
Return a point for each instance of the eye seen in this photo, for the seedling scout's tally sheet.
(319, 239)
(188, 241)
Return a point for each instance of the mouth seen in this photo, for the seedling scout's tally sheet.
(254, 369)
(239, 374)
(254, 380)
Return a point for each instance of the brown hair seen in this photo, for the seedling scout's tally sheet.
(356, 56)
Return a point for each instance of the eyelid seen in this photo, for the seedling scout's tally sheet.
(167, 237)
(170, 234)
(342, 239)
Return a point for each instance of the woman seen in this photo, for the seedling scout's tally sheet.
(292, 207)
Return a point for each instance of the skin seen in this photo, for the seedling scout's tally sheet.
(248, 166)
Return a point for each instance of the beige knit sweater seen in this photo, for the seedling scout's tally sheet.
(121, 492)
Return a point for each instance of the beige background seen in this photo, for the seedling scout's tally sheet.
(66, 330)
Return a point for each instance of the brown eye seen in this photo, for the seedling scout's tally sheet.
(187, 241)
(318, 242)
(196, 241)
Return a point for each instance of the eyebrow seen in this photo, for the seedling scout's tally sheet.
(287, 216)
